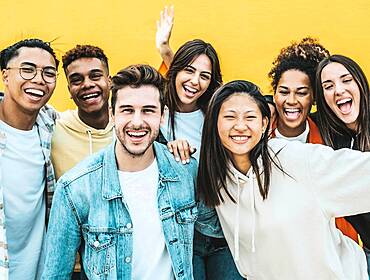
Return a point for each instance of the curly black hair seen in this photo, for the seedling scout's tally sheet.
(303, 56)
(84, 51)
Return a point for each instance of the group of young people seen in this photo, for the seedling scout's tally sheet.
(271, 191)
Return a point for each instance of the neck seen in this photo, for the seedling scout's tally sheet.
(16, 117)
(242, 163)
(133, 163)
(97, 120)
(188, 108)
(289, 131)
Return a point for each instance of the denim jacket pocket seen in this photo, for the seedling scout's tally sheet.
(185, 218)
(100, 251)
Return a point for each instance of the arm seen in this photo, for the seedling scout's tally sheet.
(163, 34)
(340, 179)
(63, 237)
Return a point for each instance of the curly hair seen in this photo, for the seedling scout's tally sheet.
(84, 51)
(303, 56)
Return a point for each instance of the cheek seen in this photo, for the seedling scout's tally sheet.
(328, 97)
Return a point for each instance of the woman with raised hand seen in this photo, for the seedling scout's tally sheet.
(343, 113)
(293, 78)
(277, 199)
(193, 76)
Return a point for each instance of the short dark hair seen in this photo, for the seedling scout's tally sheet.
(329, 124)
(184, 56)
(13, 51)
(303, 56)
(84, 51)
(135, 76)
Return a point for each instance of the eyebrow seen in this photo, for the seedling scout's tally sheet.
(34, 65)
(91, 71)
(204, 71)
(144, 107)
(234, 111)
(341, 76)
(301, 87)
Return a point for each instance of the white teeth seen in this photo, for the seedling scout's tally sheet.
(91, 95)
(136, 134)
(192, 90)
(291, 110)
(345, 100)
(239, 138)
(34, 91)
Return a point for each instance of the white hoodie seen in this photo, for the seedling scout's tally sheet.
(292, 234)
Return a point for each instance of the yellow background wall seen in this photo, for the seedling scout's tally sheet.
(247, 34)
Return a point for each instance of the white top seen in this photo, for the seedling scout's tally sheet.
(23, 166)
(188, 126)
(301, 137)
(150, 255)
(292, 235)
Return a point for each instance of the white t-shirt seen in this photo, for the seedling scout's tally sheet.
(23, 169)
(150, 258)
(301, 137)
(188, 126)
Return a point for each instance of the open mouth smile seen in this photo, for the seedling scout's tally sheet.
(345, 105)
(292, 113)
(34, 92)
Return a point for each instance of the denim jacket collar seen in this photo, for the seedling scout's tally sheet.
(111, 185)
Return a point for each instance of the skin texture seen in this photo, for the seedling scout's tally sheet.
(20, 107)
(293, 99)
(89, 77)
(137, 118)
(240, 127)
(192, 82)
(341, 93)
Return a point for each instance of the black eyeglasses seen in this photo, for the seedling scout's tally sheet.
(48, 74)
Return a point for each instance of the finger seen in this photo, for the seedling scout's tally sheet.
(175, 152)
(181, 148)
(192, 150)
(169, 147)
(172, 12)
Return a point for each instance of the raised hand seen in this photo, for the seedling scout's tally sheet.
(163, 34)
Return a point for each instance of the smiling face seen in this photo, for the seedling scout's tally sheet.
(137, 118)
(28, 96)
(89, 84)
(341, 93)
(240, 126)
(293, 100)
(192, 82)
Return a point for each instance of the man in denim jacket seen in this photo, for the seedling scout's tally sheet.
(131, 205)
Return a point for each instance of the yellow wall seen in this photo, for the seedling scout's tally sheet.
(247, 34)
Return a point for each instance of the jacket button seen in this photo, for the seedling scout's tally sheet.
(127, 259)
(129, 225)
(96, 244)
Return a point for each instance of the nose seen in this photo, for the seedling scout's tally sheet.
(240, 124)
(291, 98)
(195, 79)
(339, 88)
(38, 79)
(87, 83)
(137, 119)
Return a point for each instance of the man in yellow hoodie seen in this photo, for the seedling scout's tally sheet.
(87, 129)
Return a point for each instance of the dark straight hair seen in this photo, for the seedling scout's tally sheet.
(329, 124)
(215, 159)
(185, 55)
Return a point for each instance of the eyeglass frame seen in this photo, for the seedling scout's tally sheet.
(36, 69)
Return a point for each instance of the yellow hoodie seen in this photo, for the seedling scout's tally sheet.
(73, 140)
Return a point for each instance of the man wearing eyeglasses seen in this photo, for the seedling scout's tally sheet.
(29, 71)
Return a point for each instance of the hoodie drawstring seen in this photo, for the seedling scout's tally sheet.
(90, 141)
(253, 177)
(236, 233)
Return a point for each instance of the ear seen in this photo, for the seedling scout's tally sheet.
(4, 74)
(110, 82)
(111, 116)
(265, 121)
(162, 119)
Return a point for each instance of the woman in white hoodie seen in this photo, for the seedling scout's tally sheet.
(277, 200)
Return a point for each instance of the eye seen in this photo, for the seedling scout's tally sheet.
(347, 80)
(283, 92)
(302, 93)
(189, 70)
(327, 87)
(229, 117)
(205, 77)
(127, 110)
(251, 117)
(148, 111)
(96, 76)
(49, 72)
(28, 69)
(76, 80)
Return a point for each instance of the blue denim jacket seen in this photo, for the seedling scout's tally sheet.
(89, 209)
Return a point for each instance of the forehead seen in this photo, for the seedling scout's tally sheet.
(294, 78)
(240, 102)
(202, 63)
(334, 69)
(85, 65)
(37, 56)
(145, 95)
